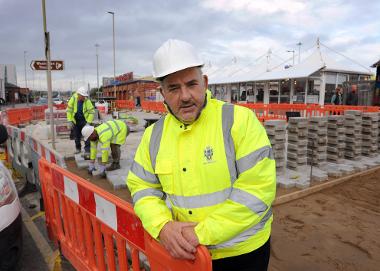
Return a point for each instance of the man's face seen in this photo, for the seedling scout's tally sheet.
(93, 136)
(354, 88)
(184, 92)
(81, 98)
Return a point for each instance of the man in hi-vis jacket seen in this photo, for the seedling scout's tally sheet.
(212, 161)
(110, 135)
(80, 112)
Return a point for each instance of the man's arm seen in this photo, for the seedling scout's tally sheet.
(70, 109)
(254, 189)
(90, 111)
(93, 150)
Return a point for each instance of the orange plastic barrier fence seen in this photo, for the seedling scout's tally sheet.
(152, 106)
(125, 104)
(39, 112)
(265, 111)
(278, 111)
(96, 230)
(19, 115)
(60, 106)
(144, 105)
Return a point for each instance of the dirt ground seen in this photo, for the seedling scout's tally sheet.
(103, 183)
(335, 229)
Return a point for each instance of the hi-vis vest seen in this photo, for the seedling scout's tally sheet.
(110, 132)
(88, 109)
(218, 171)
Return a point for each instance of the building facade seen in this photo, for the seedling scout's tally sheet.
(129, 88)
(313, 80)
(7, 75)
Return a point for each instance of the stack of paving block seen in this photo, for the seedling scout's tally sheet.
(297, 142)
(317, 140)
(370, 131)
(276, 130)
(335, 138)
(353, 132)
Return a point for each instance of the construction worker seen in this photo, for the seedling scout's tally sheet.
(212, 162)
(80, 112)
(111, 135)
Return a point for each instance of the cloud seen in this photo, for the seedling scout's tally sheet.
(220, 30)
(257, 7)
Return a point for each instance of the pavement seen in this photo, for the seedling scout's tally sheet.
(116, 178)
(38, 252)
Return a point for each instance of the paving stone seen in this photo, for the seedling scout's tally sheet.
(284, 182)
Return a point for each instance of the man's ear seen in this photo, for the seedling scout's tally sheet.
(161, 91)
(205, 81)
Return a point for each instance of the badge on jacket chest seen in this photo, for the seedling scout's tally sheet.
(208, 154)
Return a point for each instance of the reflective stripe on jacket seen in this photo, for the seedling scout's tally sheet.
(110, 132)
(88, 109)
(218, 171)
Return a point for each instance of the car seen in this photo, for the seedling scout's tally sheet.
(57, 101)
(42, 100)
(10, 214)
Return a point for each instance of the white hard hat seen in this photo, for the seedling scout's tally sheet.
(82, 91)
(87, 131)
(173, 56)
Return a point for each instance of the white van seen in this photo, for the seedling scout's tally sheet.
(10, 220)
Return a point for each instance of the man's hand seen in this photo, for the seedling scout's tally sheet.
(171, 238)
(189, 234)
(91, 167)
(71, 125)
(102, 167)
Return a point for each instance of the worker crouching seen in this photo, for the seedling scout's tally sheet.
(111, 135)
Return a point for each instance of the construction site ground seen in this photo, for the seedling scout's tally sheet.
(337, 228)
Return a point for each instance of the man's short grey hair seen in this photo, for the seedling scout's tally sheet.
(161, 79)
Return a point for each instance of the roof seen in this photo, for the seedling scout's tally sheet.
(276, 71)
(132, 81)
(304, 69)
(10, 85)
(376, 64)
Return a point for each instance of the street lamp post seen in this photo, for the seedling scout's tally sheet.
(299, 51)
(26, 81)
(291, 51)
(97, 69)
(114, 58)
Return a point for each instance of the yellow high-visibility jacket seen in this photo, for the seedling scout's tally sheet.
(110, 132)
(218, 171)
(88, 109)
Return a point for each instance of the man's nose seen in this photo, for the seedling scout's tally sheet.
(185, 94)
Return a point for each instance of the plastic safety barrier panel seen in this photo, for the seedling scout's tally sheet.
(39, 112)
(96, 230)
(24, 151)
(19, 153)
(19, 115)
(60, 106)
(125, 104)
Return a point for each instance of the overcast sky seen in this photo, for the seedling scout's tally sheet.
(220, 29)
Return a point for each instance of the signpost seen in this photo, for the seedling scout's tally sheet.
(41, 65)
(48, 73)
